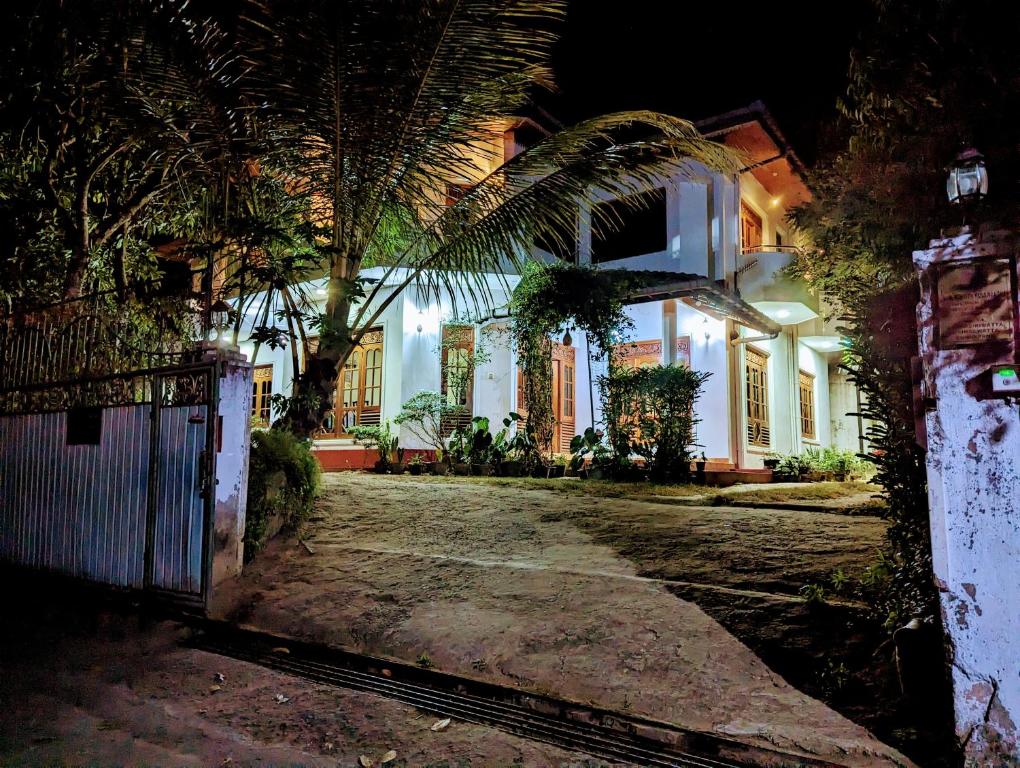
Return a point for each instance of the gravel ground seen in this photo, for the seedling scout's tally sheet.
(563, 594)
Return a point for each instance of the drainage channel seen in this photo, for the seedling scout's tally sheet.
(605, 734)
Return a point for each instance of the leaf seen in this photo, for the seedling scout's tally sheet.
(365, 762)
(215, 688)
(281, 649)
(281, 699)
(440, 725)
(389, 757)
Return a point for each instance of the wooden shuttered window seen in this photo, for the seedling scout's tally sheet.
(807, 405)
(359, 388)
(261, 395)
(757, 372)
(457, 376)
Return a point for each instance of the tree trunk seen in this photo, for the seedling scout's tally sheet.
(315, 388)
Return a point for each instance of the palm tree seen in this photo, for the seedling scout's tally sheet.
(373, 108)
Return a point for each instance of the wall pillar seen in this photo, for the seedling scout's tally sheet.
(967, 321)
(233, 443)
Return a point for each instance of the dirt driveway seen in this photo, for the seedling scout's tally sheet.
(509, 584)
(85, 686)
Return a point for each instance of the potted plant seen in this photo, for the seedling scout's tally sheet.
(439, 466)
(457, 450)
(416, 465)
(382, 440)
(517, 449)
(771, 460)
(699, 469)
(700, 464)
(479, 446)
(398, 466)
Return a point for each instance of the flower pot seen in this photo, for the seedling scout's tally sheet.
(440, 468)
(481, 470)
(511, 469)
(555, 472)
(415, 469)
(461, 470)
(397, 469)
(381, 467)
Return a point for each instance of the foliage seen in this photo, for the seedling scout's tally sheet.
(382, 439)
(425, 415)
(283, 480)
(376, 107)
(653, 409)
(587, 447)
(925, 80)
(114, 114)
(548, 299)
(845, 464)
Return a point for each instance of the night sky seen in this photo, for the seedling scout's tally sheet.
(698, 59)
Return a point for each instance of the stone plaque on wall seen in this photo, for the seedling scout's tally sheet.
(976, 304)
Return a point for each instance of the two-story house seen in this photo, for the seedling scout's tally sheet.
(730, 311)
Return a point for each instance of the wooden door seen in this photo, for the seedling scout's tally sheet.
(564, 394)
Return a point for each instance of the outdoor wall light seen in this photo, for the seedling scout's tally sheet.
(567, 338)
(968, 178)
(219, 317)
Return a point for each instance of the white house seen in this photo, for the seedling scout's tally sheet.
(730, 311)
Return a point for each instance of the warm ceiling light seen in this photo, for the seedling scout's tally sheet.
(782, 314)
(774, 202)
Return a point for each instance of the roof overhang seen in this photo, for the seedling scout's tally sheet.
(769, 157)
(709, 296)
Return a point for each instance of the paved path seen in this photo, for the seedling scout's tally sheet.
(403, 567)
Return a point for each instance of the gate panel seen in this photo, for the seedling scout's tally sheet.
(180, 510)
(61, 506)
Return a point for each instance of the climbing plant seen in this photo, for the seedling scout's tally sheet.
(551, 299)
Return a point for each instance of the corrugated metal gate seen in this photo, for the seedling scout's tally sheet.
(106, 467)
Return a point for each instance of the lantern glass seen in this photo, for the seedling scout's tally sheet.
(968, 178)
(219, 317)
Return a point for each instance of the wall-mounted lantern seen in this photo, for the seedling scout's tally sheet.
(219, 317)
(968, 177)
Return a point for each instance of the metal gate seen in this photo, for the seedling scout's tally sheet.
(106, 460)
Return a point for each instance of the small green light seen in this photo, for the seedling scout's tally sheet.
(1009, 373)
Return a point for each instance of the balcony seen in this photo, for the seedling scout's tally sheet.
(762, 281)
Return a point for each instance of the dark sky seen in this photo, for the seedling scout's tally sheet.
(696, 59)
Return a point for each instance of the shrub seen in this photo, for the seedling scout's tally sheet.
(283, 480)
(425, 415)
(381, 439)
(653, 410)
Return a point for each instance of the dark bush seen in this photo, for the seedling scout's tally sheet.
(283, 480)
(651, 413)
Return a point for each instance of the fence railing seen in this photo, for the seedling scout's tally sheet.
(92, 351)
